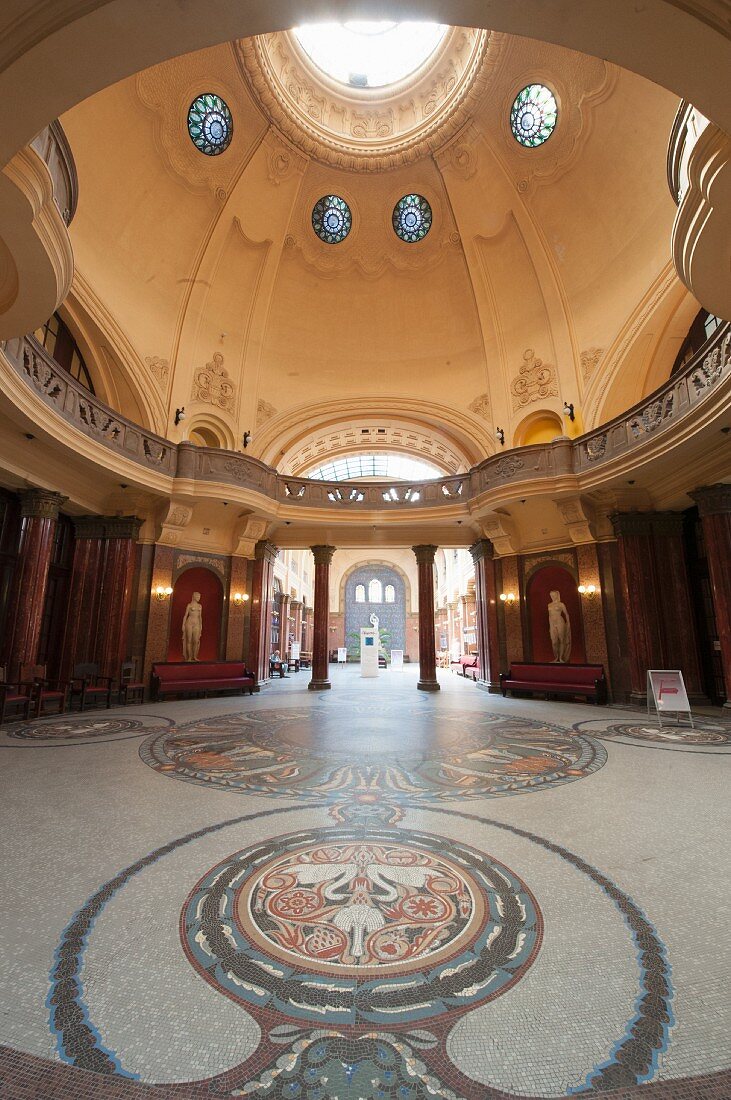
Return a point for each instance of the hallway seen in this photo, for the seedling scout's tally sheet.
(366, 892)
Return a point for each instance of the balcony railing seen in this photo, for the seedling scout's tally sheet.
(52, 146)
(627, 434)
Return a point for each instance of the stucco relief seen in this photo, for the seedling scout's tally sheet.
(481, 406)
(212, 385)
(264, 411)
(590, 359)
(535, 381)
(159, 368)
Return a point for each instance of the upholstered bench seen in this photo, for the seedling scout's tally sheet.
(201, 677)
(555, 679)
(467, 665)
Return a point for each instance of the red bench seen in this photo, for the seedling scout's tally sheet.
(555, 679)
(467, 665)
(201, 677)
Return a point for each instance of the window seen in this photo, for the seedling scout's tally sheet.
(388, 467)
(703, 327)
(369, 54)
(331, 219)
(411, 218)
(375, 592)
(56, 338)
(210, 124)
(360, 593)
(533, 115)
(390, 594)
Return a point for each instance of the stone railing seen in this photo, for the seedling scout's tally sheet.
(53, 147)
(688, 126)
(627, 434)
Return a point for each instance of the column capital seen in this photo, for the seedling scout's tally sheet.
(322, 554)
(631, 523)
(483, 548)
(266, 551)
(425, 554)
(88, 527)
(295, 603)
(122, 527)
(712, 500)
(41, 503)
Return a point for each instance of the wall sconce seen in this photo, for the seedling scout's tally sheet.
(569, 410)
(163, 593)
(179, 415)
(240, 597)
(501, 436)
(588, 590)
(507, 597)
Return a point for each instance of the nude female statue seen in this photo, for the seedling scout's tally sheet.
(559, 626)
(192, 628)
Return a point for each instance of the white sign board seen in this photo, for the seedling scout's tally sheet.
(294, 651)
(668, 692)
(368, 651)
(397, 660)
(342, 654)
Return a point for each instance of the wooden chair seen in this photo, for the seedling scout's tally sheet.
(129, 685)
(11, 696)
(88, 686)
(44, 692)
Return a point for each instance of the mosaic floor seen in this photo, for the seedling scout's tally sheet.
(365, 894)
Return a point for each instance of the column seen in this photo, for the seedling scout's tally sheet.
(680, 639)
(638, 592)
(265, 554)
(116, 592)
(714, 505)
(427, 642)
(486, 597)
(39, 510)
(83, 612)
(284, 623)
(297, 626)
(323, 555)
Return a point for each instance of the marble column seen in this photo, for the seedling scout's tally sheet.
(297, 624)
(265, 554)
(83, 612)
(680, 638)
(320, 635)
(486, 597)
(714, 505)
(284, 600)
(116, 592)
(39, 510)
(638, 592)
(427, 641)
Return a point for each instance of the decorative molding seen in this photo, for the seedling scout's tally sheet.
(535, 381)
(264, 412)
(590, 360)
(576, 520)
(509, 465)
(252, 532)
(218, 565)
(712, 500)
(41, 503)
(498, 530)
(283, 160)
(212, 385)
(481, 406)
(158, 368)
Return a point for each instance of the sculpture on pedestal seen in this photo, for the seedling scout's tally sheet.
(559, 626)
(192, 628)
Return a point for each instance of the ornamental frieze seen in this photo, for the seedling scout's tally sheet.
(212, 385)
(535, 381)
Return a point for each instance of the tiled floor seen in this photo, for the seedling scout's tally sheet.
(365, 893)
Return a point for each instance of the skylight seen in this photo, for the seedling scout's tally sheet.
(369, 55)
(386, 467)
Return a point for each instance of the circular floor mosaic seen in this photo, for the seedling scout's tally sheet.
(85, 727)
(704, 733)
(379, 751)
(339, 928)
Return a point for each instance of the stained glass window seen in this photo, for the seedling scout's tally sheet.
(533, 115)
(412, 218)
(331, 219)
(210, 124)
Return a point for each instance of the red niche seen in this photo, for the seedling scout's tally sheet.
(211, 590)
(538, 592)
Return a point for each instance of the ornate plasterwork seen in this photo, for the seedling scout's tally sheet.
(264, 412)
(368, 436)
(590, 359)
(159, 368)
(481, 406)
(212, 385)
(174, 522)
(535, 381)
(351, 128)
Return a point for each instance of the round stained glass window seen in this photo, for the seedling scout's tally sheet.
(533, 115)
(331, 219)
(210, 124)
(412, 218)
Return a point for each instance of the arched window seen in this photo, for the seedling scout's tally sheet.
(360, 593)
(56, 338)
(390, 594)
(375, 592)
(703, 327)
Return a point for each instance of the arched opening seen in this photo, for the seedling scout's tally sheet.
(204, 437)
(539, 427)
(548, 578)
(208, 584)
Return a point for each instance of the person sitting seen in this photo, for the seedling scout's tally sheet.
(276, 664)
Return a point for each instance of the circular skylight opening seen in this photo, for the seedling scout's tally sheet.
(369, 55)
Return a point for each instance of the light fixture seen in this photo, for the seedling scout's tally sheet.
(240, 597)
(245, 439)
(507, 597)
(501, 436)
(588, 590)
(569, 410)
(163, 592)
(179, 415)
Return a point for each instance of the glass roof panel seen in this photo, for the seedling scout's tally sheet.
(393, 467)
(369, 55)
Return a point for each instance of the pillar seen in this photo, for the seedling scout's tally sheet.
(116, 592)
(297, 625)
(638, 592)
(486, 597)
(714, 505)
(320, 635)
(84, 591)
(39, 510)
(284, 631)
(427, 641)
(265, 554)
(680, 638)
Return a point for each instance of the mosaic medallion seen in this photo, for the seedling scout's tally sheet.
(705, 733)
(83, 727)
(330, 926)
(376, 752)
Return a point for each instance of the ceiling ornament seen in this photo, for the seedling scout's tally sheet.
(264, 412)
(535, 381)
(347, 127)
(159, 368)
(212, 385)
(481, 406)
(590, 361)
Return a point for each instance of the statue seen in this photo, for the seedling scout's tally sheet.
(559, 626)
(192, 628)
(374, 621)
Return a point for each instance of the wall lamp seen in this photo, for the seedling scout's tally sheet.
(179, 415)
(569, 410)
(501, 436)
(163, 592)
(588, 590)
(240, 597)
(507, 597)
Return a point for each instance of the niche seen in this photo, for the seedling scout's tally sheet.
(205, 581)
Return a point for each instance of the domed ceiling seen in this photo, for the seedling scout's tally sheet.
(523, 276)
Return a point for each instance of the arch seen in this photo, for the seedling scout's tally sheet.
(389, 594)
(207, 430)
(545, 577)
(540, 426)
(197, 578)
(360, 593)
(375, 591)
(392, 616)
(373, 563)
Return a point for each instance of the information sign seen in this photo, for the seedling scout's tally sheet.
(294, 651)
(368, 651)
(397, 660)
(342, 654)
(668, 691)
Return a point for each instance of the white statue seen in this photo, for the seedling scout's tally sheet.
(374, 621)
(559, 626)
(192, 628)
